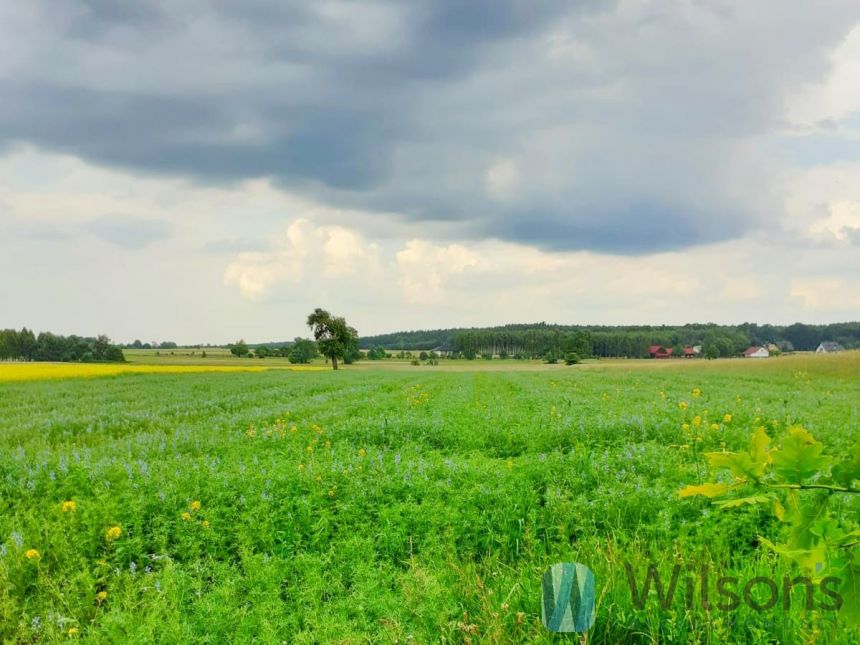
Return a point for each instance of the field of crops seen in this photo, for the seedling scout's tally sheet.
(379, 505)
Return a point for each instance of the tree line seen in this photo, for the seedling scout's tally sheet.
(301, 350)
(540, 339)
(25, 345)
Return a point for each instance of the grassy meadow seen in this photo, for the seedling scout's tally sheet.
(390, 503)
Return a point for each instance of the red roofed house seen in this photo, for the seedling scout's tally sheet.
(689, 352)
(756, 352)
(658, 351)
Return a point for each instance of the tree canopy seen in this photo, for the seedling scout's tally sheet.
(303, 351)
(24, 345)
(335, 338)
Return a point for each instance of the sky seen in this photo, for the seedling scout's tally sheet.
(208, 170)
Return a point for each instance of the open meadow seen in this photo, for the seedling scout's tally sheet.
(391, 503)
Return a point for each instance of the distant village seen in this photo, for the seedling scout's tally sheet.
(754, 351)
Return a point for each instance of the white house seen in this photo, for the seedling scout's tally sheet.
(828, 347)
(756, 352)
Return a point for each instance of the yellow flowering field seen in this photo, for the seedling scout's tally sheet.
(42, 371)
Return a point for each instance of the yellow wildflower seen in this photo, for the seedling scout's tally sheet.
(362, 452)
(32, 554)
(331, 492)
(294, 429)
(113, 533)
(715, 426)
(682, 406)
(310, 449)
(301, 466)
(101, 596)
(328, 444)
(73, 631)
(205, 524)
(195, 505)
(186, 516)
(727, 418)
(697, 421)
(319, 478)
(696, 393)
(251, 432)
(685, 427)
(510, 463)
(69, 506)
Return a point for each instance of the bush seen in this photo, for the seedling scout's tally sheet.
(571, 358)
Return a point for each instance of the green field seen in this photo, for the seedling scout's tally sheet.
(416, 504)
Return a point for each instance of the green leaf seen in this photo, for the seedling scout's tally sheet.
(740, 464)
(759, 454)
(799, 456)
(741, 501)
(850, 592)
(847, 538)
(707, 490)
(803, 514)
(810, 560)
(848, 470)
(745, 465)
(778, 509)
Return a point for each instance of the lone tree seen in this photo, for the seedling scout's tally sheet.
(239, 348)
(336, 339)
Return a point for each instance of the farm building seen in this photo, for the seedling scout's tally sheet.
(756, 352)
(690, 352)
(829, 347)
(445, 349)
(658, 351)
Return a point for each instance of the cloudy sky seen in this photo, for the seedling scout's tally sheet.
(203, 170)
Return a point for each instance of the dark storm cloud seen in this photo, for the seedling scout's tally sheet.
(628, 128)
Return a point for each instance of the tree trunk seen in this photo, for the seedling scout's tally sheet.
(334, 362)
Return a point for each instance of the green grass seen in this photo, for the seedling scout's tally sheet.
(443, 495)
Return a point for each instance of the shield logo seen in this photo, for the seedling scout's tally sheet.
(568, 598)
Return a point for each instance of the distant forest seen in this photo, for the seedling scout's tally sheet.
(25, 345)
(538, 339)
